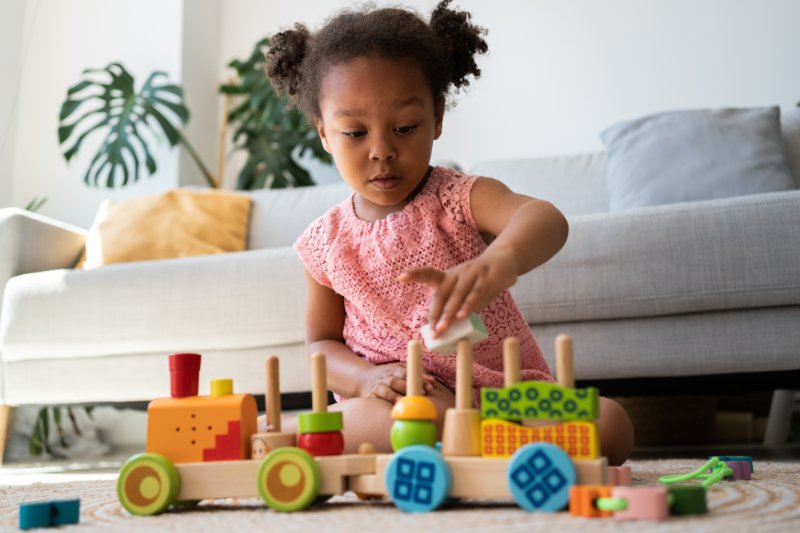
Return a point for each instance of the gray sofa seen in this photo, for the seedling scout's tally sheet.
(674, 292)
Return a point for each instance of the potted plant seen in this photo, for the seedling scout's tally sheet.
(129, 118)
(274, 135)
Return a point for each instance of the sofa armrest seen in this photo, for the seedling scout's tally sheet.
(233, 301)
(33, 243)
(713, 255)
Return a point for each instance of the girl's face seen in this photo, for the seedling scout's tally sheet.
(378, 120)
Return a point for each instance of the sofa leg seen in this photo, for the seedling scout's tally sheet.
(6, 418)
(780, 418)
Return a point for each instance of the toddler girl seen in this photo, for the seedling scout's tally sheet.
(414, 244)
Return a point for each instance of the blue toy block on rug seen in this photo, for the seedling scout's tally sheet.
(49, 514)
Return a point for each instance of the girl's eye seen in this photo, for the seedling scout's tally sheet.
(405, 130)
(355, 134)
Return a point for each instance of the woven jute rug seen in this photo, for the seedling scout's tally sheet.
(769, 502)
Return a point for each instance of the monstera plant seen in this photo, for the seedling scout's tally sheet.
(274, 135)
(130, 120)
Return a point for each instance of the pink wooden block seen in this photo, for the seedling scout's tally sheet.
(741, 470)
(619, 475)
(644, 503)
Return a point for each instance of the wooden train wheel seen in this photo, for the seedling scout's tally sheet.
(148, 483)
(288, 479)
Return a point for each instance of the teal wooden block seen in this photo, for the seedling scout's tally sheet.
(49, 513)
(539, 400)
(743, 458)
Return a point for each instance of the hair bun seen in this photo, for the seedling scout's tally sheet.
(285, 58)
(461, 39)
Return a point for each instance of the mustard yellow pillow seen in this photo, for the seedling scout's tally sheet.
(178, 223)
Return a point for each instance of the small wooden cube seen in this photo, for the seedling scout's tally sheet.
(582, 500)
(470, 328)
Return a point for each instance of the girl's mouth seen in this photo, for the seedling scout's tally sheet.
(385, 182)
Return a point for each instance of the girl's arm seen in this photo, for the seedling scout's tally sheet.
(348, 374)
(528, 233)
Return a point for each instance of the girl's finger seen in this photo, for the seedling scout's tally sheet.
(437, 305)
(463, 287)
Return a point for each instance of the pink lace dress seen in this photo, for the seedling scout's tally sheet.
(361, 261)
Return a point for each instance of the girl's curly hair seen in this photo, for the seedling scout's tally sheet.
(445, 47)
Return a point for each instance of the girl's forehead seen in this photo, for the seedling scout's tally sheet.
(374, 77)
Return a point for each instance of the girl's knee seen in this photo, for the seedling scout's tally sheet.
(616, 432)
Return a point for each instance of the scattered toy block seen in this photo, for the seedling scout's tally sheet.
(470, 329)
(49, 514)
(643, 503)
(741, 470)
(582, 500)
(540, 476)
(539, 400)
(619, 475)
(578, 438)
(687, 500)
(729, 458)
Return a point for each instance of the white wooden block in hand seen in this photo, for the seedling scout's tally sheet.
(470, 328)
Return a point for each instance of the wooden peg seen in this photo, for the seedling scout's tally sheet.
(564, 368)
(273, 394)
(462, 432)
(319, 383)
(511, 369)
(464, 375)
(414, 369)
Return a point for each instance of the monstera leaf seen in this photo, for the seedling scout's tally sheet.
(273, 134)
(129, 120)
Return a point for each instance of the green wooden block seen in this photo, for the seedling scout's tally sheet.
(539, 400)
(319, 422)
(687, 499)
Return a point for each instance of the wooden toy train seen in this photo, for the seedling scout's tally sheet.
(207, 447)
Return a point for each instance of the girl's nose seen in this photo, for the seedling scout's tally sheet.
(382, 149)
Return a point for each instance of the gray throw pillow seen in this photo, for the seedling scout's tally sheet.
(684, 156)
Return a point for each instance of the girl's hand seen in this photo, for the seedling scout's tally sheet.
(465, 288)
(388, 382)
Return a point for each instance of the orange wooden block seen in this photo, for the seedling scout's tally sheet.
(578, 438)
(201, 428)
(582, 498)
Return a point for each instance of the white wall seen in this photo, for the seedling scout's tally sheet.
(558, 72)
(12, 16)
(67, 37)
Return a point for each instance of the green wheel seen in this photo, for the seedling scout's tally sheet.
(288, 479)
(148, 483)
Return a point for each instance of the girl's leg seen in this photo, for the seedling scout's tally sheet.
(616, 432)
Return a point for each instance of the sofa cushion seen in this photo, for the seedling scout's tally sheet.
(695, 155)
(280, 215)
(790, 126)
(177, 223)
(732, 253)
(576, 184)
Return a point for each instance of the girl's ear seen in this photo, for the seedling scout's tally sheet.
(439, 118)
(322, 137)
